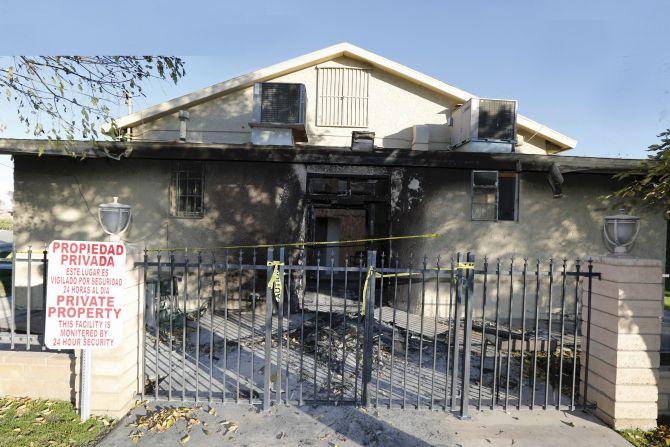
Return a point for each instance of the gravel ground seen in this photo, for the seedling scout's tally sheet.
(245, 425)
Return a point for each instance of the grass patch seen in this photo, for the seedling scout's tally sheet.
(660, 436)
(28, 422)
(6, 224)
(666, 300)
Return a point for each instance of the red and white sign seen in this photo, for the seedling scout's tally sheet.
(84, 294)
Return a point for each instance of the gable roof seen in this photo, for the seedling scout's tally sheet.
(314, 58)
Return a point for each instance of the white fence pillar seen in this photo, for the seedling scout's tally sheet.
(116, 373)
(626, 316)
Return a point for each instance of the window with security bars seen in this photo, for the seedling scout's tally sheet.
(188, 179)
(279, 103)
(343, 96)
(494, 195)
(497, 119)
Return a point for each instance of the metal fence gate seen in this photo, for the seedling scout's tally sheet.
(270, 327)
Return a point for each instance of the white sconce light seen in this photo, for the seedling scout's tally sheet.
(114, 217)
(621, 231)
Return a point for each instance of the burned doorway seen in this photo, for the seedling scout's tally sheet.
(347, 206)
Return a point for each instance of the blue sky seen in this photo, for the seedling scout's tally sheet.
(598, 71)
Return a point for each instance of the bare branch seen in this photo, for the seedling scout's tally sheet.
(68, 97)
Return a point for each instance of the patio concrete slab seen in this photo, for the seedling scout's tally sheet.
(351, 426)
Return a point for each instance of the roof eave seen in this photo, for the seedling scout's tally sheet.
(320, 155)
(314, 58)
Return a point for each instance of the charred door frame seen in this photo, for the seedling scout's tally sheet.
(380, 198)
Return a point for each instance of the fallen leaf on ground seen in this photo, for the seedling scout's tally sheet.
(162, 420)
(136, 436)
(229, 427)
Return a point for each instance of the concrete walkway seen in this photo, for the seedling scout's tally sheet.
(350, 426)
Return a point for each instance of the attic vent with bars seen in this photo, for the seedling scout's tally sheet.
(279, 104)
(343, 95)
(496, 119)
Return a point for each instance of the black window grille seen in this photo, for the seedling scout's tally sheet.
(188, 180)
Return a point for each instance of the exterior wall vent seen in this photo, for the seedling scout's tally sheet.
(183, 125)
(342, 97)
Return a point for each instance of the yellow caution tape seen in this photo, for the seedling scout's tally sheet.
(301, 244)
(372, 273)
(465, 265)
(276, 282)
(288, 244)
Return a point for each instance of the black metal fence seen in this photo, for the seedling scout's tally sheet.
(22, 303)
(270, 327)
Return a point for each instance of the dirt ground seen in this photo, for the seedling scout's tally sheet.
(245, 425)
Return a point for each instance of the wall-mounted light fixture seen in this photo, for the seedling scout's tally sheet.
(114, 217)
(621, 231)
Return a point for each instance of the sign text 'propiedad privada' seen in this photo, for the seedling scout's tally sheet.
(84, 294)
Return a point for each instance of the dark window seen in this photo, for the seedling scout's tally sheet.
(507, 199)
(187, 189)
(496, 119)
(282, 103)
(494, 195)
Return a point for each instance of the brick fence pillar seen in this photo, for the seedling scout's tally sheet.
(626, 315)
(116, 373)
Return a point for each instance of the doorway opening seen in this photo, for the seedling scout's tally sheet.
(347, 207)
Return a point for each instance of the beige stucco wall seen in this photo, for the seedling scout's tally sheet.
(395, 105)
(252, 203)
(438, 200)
(57, 197)
(264, 202)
